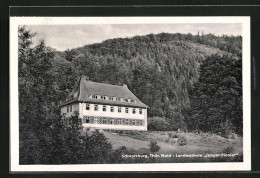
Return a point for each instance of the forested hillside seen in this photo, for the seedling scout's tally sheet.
(160, 69)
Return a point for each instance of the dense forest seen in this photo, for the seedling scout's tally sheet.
(190, 82)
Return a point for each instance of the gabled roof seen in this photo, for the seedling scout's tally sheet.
(85, 88)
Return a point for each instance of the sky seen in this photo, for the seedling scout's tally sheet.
(62, 37)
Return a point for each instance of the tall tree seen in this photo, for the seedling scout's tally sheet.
(216, 99)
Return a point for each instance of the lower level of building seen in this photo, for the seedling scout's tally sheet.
(113, 123)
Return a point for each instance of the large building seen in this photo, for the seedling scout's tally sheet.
(105, 106)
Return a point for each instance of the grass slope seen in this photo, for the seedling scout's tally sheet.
(196, 144)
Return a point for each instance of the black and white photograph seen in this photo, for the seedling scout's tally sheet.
(130, 93)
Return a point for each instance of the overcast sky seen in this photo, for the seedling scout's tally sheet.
(62, 37)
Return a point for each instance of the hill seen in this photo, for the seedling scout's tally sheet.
(159, 69)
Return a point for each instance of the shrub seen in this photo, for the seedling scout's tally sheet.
(173, 135)
(116, 156)
(154, 147)
(156, 124)
(167, 140)
(228, 150)
(97, 148)
(182, 141)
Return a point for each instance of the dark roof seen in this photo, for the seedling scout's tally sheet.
(85, 88)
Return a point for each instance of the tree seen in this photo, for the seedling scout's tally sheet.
(216, 99)
(154, 147)
(36, 95)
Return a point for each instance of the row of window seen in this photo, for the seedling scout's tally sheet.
(113, 98)
(112, 121)
(112, 109)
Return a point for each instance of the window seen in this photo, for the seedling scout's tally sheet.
(99, 120)
(91, 120)
(126, 110)
(139, 122)
(133, 110)
(95, 120)
(133, 122)
(94, 96)
(115, 121)
(68, 109)
(96, 107)
(118, 99)
(104, 120)
(110, 98)
(126, 122)
(87, 107)
(132, 101)
(126, 100)
(119, 121)
(119, 109)
(87, 120)
(104, 108)
(103, 97)
(111, 109)
(140, 111)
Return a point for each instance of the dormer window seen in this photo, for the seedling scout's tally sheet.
(110, 98)
(126, 100)
(132, 101)
(117, 99)
(94, 96)
(103, 97)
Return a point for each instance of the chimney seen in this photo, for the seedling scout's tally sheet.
(125, 86)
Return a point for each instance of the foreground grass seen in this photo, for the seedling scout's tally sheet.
(195, 144)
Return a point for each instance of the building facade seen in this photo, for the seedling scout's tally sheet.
(105, 106)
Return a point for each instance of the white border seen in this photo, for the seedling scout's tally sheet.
(14, 114)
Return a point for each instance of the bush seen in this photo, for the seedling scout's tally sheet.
(156, 124)
(228, 150)
(182, 141)
(116, 156)
(154, 147)
(97, 148)
(173, 135)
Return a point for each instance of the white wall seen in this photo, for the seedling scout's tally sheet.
(116, 114)
(107, 113)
